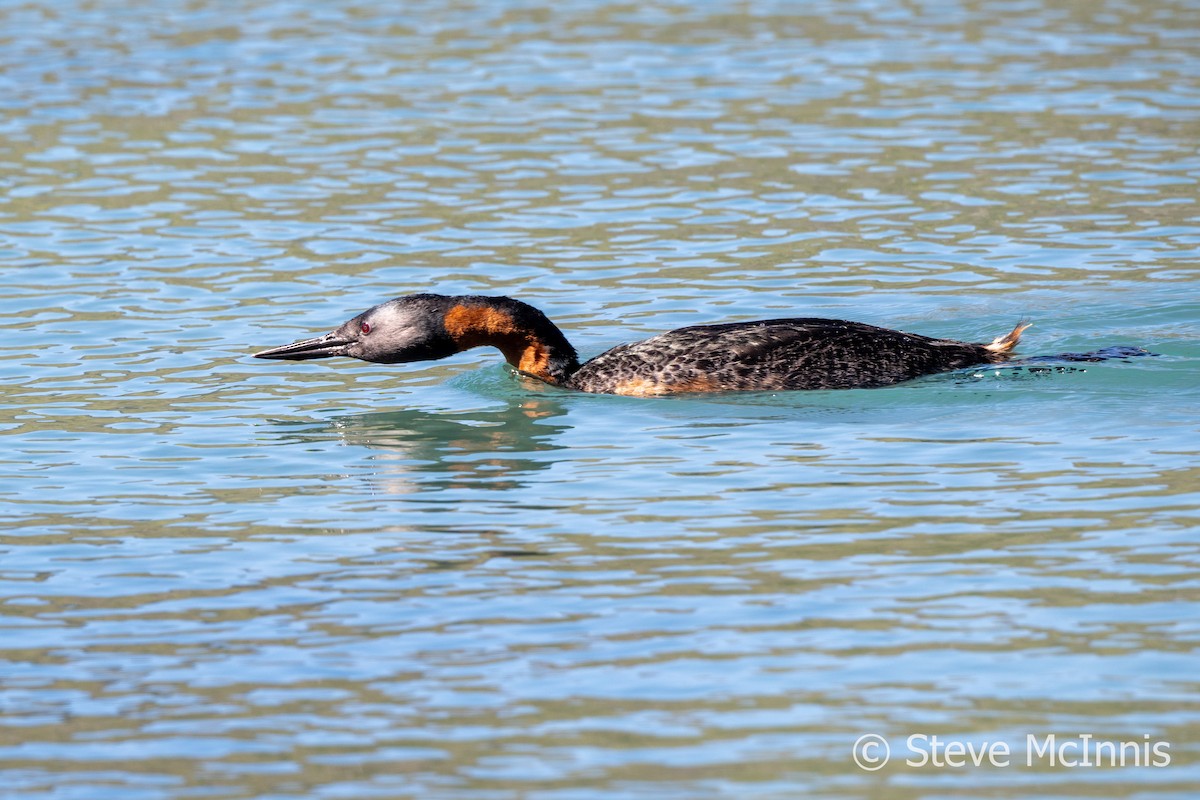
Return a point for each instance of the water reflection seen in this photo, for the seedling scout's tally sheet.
(501, 592)
(419, 450)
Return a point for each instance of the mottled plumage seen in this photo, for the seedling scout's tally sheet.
(767, 355)
(778, 354)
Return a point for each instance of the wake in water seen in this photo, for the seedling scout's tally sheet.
(1060, 363)
(1117, 353)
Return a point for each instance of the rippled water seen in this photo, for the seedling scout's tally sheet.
(228, 578)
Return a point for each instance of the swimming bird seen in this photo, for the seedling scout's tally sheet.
(766, 355)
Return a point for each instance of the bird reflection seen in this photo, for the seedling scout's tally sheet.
(421, 450)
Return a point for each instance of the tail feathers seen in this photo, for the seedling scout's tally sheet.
(1004, 344)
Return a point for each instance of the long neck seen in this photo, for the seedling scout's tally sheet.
(527, 338)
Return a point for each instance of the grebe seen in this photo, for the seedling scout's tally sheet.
(767, 355)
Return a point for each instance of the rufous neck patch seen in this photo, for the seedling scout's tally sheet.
(480, 326)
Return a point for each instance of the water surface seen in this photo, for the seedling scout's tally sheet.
(227, 578)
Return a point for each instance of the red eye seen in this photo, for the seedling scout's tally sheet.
(366, 327)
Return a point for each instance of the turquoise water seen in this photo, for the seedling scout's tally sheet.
(222, 577)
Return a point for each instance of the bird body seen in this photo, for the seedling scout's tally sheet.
(778, 354)
(765, 355)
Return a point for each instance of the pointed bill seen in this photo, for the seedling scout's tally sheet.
(320, 347)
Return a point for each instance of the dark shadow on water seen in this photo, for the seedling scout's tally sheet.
(1115, 353)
